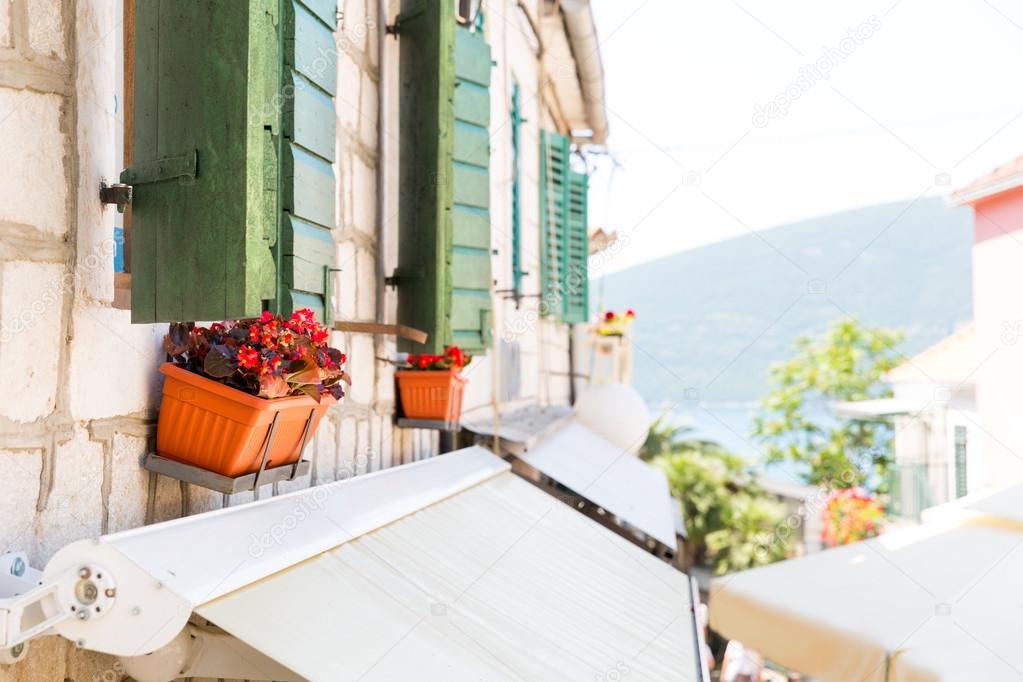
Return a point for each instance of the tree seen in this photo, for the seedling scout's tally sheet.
(796, 423)
(731, 523)
(665, 437)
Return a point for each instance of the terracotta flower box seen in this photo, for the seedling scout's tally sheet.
(431, 394)
(213, 426)
(244, 395)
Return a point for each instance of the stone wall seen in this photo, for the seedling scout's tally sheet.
(81, 387)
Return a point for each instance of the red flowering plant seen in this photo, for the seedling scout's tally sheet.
(454, 359)
(613, 324)
(269, 356)
(851, 515)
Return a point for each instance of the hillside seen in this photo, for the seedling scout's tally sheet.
(734, 307)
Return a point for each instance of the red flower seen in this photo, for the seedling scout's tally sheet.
(455, 353)
(425, 361)
(609, 315)
(247, 357)
(266, 316)
(630, 313)
(319, 334)
(253, 332)
(412, 359)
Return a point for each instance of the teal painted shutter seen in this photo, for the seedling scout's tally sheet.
(554, 151)
(443, 274)
(516, 135)
(575, 286)
(426, 101)
(960, 461)
(205, 169)
(305, 252)
(471, 307)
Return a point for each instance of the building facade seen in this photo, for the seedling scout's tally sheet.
(82, 387)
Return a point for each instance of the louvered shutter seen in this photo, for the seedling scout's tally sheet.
(575, 277)
(471, 307)
(308, 189)
(204, 167)
(443, 274)
(554, 151)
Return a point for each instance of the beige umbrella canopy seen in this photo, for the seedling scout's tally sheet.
(941, 601)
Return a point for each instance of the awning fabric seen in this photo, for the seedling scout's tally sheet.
(497, 580)
(940, 601)
(621, 483)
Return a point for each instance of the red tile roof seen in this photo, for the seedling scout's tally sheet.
(1005, 177)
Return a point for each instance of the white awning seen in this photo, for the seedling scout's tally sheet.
(878, 408)
(450, 568)
(621, 483)
(940, 601)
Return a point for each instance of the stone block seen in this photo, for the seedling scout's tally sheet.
(33, 185)
(106, 345)
(46, 28)
(22, 470)
(74, 508)
(129, 484)
(31, 302)
(366, 276)
(362, 365)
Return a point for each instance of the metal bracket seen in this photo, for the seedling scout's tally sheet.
(117, 193)
(167, 168)
(395, 28)
(403, 276)
(266, 450)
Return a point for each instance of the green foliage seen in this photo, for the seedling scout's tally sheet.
(664, 438)
(846, 363)
(732, 524)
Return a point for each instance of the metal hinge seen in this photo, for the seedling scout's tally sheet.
(168, 168)
(117, 193)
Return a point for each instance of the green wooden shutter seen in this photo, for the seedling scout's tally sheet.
(205, 168)
(960, 461)
(471, 307)
(426, 102)
(443, 274)
(554, 151)
(516, 139)
(309, 83)
(575, 286)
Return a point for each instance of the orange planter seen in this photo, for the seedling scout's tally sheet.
(431, 395)
(218, 428)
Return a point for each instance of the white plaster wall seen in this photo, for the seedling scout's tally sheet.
(998, 314)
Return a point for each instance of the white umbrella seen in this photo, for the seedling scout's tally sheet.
(941, 601)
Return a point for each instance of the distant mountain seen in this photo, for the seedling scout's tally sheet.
(715, 318)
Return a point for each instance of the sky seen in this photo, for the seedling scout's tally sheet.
(734, 116)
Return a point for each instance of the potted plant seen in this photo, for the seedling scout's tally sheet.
(613, 324)
(234, 388)
(431, 386)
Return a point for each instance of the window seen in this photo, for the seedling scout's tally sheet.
(444, 276)
(564, 240)
(231, 145)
